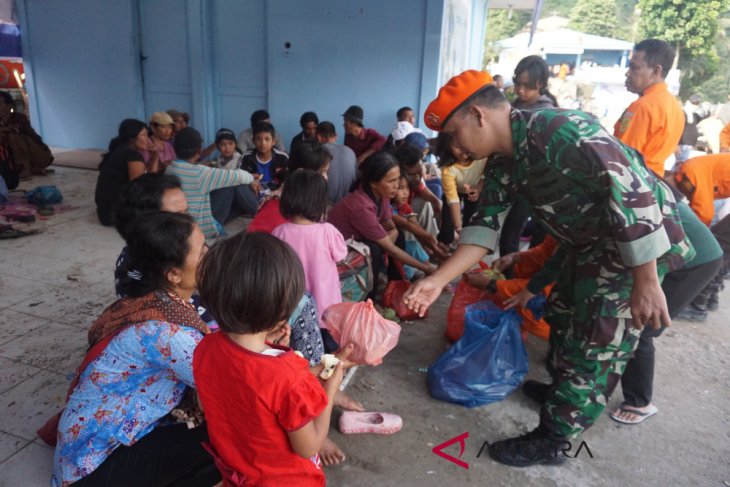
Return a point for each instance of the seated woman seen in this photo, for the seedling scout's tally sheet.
(120, 165)
(365, 214)
(31, 156)
(118, 413)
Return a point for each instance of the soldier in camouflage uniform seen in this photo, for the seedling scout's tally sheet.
(618, 232)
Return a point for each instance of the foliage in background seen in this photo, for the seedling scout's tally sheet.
(501, 26)
(597, 17)
(717, 88)
(692, 27)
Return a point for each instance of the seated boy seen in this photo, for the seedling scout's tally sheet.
(265, 159)
(199, 182)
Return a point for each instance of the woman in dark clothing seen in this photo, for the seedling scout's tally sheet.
(123, 163)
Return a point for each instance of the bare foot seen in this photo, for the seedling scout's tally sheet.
(344, 401)
(331, 453)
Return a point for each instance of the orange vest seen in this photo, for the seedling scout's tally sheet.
(653, 125)
(710, 177)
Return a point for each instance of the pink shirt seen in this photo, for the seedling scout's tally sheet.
(319, 246)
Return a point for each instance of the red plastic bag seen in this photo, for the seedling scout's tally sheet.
(393, 298)
(465, 295)
(362, 325)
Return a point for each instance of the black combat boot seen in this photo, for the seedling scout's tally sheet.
(537, 391)
(538, 447)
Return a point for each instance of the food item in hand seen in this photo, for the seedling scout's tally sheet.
(329, 362)
(493, 274)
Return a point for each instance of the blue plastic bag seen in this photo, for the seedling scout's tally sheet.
(486, 364)
(44, 195)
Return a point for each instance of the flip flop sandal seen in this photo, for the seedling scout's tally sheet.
(352, 422)
(642, 415)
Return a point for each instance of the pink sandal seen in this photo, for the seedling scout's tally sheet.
(352, 422)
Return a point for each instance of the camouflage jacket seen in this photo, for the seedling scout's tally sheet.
(594, 195)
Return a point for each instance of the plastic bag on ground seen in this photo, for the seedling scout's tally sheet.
(465, 295)
(362, 325)
(486, 364)
(393, 298)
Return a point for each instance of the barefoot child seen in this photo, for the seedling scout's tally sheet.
(318, 244)
(267, 413)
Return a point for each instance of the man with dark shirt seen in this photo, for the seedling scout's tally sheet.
(363, 142)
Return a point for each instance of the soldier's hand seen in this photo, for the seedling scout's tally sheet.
(504, 263)
(648, 303)
(421, 294)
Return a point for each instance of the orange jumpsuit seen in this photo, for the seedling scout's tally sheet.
(703, 180)
(653, 125)
(531, 261)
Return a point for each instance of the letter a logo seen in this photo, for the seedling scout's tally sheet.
(438, 449)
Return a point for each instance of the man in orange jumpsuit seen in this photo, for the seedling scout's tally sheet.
(654, 123)
(703, 180)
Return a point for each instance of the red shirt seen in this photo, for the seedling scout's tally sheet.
(250, 401)
(356, 216)
(368, 139)
(267, 218)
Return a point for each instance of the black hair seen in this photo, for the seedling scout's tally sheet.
(128, 130)
(497, 76)
(157, 242)
(142, 195)
(264, 127)
(7, 98)
(488, 97)
(408, 155)
(308, 154)
(250, 282)
(188, 143)
(372, 170)
(400, 115)
(538, 73)
(308, 117)
(304, 195)
(326, 129)
(443, 150)
(657, 53)
(259, 116)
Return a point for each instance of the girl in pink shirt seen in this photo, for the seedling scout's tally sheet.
(319, 245)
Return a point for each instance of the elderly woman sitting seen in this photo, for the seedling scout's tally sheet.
(116, 428)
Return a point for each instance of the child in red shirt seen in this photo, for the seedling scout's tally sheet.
(267, 413)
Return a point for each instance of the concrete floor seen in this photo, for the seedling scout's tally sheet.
(53, 284)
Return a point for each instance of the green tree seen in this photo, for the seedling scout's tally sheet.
(500, 25)
(692, 26)
(598, 17)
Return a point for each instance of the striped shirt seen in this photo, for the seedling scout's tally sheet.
(197, 183)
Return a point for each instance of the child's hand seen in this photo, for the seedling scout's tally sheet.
(280, 336)
(332, 385)
(343, 355)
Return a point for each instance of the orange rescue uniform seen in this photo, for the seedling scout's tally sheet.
(725, 139)
(530, 262)
(653, 125)
(705, 179)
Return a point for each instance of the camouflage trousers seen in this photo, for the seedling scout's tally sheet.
(587, 358)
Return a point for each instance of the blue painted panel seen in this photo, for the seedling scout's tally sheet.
(81, 61)
(239, 59)
(163, 25)
(347, 52)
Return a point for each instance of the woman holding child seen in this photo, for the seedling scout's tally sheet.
(365, 214)
(116, 429)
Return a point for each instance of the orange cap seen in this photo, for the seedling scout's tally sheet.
(459, 89)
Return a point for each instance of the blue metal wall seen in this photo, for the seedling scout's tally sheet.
(222, 59)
